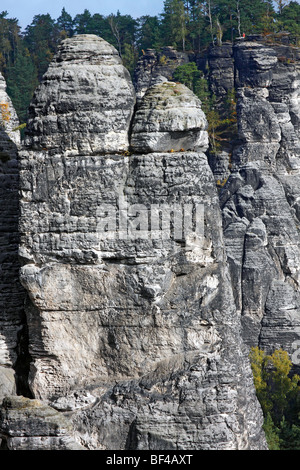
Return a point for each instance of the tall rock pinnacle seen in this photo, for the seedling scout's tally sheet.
(132, 325)
(85, 102)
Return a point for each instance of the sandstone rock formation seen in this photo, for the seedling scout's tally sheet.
(169, 118)
(152, 65)
(32, 425)
(132, 325)
(78, 109)
(259, 201)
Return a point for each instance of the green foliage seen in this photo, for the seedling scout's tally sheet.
(174, 23)
(272, 433)
(65, 24)
(41, 39)
(278, 392)
(149, 33)
(21, 78)
(289, 20)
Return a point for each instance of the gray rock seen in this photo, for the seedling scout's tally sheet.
(153, 64)
(259, 201)
(31, 425)
(11, 292)
(169, 117)
(87, 89)
(132, 325)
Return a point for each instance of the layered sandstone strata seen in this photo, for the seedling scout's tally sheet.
(120, 304)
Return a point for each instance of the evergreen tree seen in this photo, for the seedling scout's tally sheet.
(174, 23)
(290, 20)
(65, 24)
(21, 78)
(198, 35)
(42, 37)
(149, 33)
(124, 30)
(83, 23)
(10, 40)
(272, 433)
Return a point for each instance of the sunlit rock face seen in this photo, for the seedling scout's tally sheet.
(169, 117)
(261, 198)
(85, 102)
(131, 320)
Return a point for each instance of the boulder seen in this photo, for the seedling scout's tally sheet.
(169, 118)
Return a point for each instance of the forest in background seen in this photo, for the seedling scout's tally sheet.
(188, 25)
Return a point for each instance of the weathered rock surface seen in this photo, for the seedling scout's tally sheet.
(9, 134)
(32, 425)
(260, 217)
(132, 325)
(86, 90)
(11, 292)
(221, 70)
(169, 117)
(141, 312)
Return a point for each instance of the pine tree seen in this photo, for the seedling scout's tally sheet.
(65, 24)
(21, 80)
(290, 21)
(149, 33)
(83, 23)
(41, 38)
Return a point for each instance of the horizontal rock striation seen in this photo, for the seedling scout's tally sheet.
(132, 325)
(152, 65)
(259, 201)
(169, 117)
(32, 425)
(85, 102)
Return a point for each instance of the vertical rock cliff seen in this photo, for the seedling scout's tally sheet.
(260, 200)
(132, 325)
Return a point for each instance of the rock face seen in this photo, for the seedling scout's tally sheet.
(32, 425)
(11, 291)
(87, 90)
(169, 118)
(132, 325)
(9, 133)
(260, 199)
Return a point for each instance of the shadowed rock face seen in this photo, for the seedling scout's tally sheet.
(87, 91)
(11, 292)
(260, 199)
(132, 325)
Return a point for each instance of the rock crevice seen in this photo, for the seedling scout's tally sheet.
(144, 285)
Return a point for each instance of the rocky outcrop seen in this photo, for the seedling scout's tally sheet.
(261, 222)
(132, 325)
(221, 70)
(32, 425)
(169, 118)
(78, 95)
(9, 134)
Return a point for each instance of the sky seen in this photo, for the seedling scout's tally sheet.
(25, 10)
